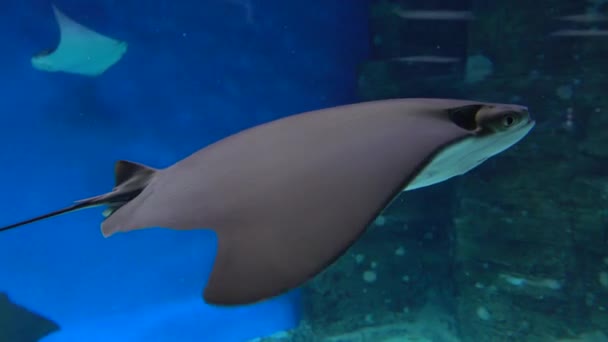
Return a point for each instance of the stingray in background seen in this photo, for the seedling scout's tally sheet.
(18, 324)
(288, 197)
(80, 50)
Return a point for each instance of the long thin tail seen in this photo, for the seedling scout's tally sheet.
(130, 180)
(66, 210)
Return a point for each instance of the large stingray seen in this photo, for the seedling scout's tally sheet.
(18, 324)
(80, 50)
(288, 197)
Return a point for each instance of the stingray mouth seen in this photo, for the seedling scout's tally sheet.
(528, 122)
(497, 142)
(531, 122)
(526, 126)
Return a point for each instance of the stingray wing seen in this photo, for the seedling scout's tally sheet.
(20, 324)
(326, 186)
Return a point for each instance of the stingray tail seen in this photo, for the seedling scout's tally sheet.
(130, 180)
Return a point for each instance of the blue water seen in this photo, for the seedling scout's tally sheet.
(195, 72)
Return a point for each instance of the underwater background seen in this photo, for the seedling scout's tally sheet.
(515, 250)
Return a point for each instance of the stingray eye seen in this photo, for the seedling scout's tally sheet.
(508, 120)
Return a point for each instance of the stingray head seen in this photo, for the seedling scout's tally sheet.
(493, 129)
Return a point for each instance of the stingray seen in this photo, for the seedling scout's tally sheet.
(288, 197)
(22, 325)
(80, 50)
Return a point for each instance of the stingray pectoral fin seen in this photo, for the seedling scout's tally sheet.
(312, 210)
(18, 323)
(273, 256)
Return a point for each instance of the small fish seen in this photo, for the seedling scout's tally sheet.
(434, 15)
(289, 197)
(580, 33)
(427, 59)
(80, 50)
(585, 18)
